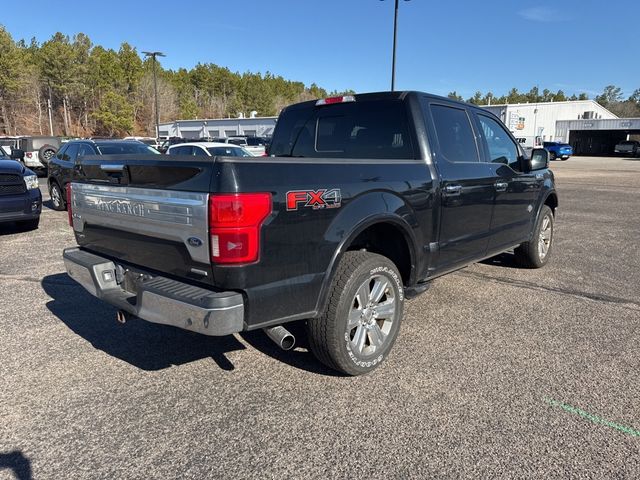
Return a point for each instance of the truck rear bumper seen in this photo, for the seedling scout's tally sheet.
(158, 299)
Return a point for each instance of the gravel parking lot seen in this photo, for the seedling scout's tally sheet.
(498, 371)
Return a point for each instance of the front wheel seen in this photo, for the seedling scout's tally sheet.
(57, 199)
(361, 323)
(535, 253)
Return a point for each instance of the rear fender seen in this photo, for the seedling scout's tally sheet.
(359, 214)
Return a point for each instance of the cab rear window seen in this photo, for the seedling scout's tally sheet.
(375, 130)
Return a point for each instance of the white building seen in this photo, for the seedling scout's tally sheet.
(534, 123)
(219, 127)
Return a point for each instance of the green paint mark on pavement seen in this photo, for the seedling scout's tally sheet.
(593, 418)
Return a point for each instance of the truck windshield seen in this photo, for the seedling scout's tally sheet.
(375, 129)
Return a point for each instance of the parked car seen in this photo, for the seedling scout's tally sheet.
(7, 144)
(38, 151)
(62, 164)
(20, 197)
(152, 142)
(164, 146)
(364, 200)
(254, 145)
(628, 147)
(211, 149)
(558, 150)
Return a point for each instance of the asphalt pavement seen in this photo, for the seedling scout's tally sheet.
(498, 372)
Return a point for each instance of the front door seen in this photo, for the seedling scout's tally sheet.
(516, 191)
(466, 187)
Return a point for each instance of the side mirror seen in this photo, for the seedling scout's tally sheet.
(17, 154)
(539, 159)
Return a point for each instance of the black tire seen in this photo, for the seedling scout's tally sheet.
(552, 155)
(45, 153)
(58, 200)
(529, 253)
(26, 225)
(329, 337)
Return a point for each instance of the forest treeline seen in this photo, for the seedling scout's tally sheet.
(612, 98)
(92, 90)
(75, 88)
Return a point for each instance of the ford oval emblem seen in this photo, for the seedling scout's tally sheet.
(194, 241)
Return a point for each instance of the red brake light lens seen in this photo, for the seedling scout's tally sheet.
(332, 100)
(234, 226)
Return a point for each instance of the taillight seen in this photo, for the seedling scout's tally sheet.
(69, 205)
(234, 226)
(29, 154)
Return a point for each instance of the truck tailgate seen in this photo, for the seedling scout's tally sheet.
(145, 211)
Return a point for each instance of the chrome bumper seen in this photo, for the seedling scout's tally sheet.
(158, 299)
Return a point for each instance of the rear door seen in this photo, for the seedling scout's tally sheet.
(466, 186)
(516, 191)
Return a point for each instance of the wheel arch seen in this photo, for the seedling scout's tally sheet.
(395, 221)
(551, 200)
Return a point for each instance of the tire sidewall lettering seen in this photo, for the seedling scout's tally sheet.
(390, 273)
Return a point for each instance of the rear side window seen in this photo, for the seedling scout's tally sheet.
(454, 133)
(375, 130)
(255, 141)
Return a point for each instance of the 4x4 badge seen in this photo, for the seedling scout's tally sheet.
(315, 199)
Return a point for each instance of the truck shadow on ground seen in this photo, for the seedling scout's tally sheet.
(300, 357)
(17, 463)
(13, 229)
(151, 346)
(48, 204)
(144, 345)
(507, 260)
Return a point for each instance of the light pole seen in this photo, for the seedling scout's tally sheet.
(155, 86)
(395, 31)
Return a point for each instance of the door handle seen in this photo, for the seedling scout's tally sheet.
(111, 167)
(452, 190)
(501, 186)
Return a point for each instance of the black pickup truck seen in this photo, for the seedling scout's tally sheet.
(362, 201)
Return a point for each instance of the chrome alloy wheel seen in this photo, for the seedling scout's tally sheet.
(55, 197)
(544, 239)
(371, 316)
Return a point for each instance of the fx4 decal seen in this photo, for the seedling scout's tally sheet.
(315, 199)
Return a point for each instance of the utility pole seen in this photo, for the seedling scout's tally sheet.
(395, 34)
(155, 86)
(49, 108)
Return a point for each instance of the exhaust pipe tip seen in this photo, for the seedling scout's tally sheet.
(121, 316)
(281, 337)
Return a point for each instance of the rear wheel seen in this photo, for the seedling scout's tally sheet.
(57, 199)
(363, 316)
(552, 155)
(535, 254)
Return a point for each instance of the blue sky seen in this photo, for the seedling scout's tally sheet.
(574, 45)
